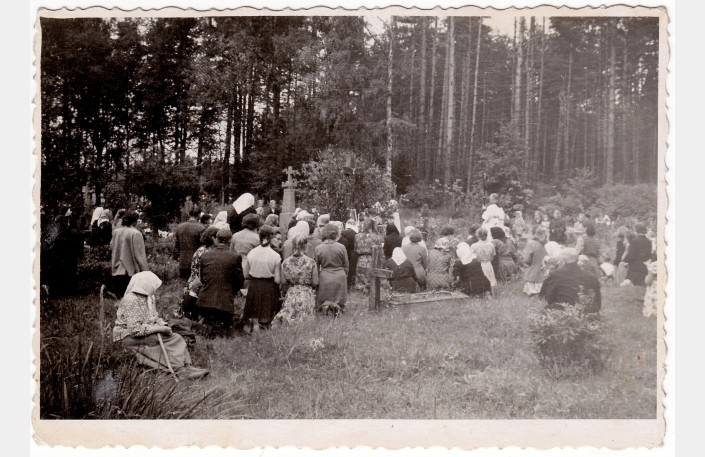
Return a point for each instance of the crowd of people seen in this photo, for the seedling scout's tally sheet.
(242, 270)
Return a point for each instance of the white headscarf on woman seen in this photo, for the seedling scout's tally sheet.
(352, 225)
(303, 214)
(301, 228)
(243, 202)
(221, 221)
(398, 256)
(464, 254)
(144, 282)
(96, 214)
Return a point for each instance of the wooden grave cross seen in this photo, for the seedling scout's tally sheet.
(376, 273)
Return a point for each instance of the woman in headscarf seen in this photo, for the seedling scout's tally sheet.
(519, 226)
(417, 256)
(484, 252)
(300, 274)
(321, 222)
(468, 274)
(272, 220)
(558, 228)
(392, 240)
(332, 261)
(139, 328)
(504, 261)
(589, 246)
(194, 284)
(440, 263)
(101, 227)
(262, 267)
(221, 221)
(403, 278)
(533, 256)
(301, 228)
(406, 240)
(244, 205)
(364, 241)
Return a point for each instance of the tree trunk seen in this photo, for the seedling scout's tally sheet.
(540, 100)
(624, 104)
(429, 140)
(609, 149)
(228, 145)
(451, 104)
(421, 139)
(462, 141)
(566, 135)
(471, 155)
(527, 102)
(390, 74)
(517, 74)
(443, 115)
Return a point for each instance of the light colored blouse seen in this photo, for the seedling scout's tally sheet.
(263, 262)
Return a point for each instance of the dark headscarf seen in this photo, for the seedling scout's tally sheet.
(497, 233)
(391, 240)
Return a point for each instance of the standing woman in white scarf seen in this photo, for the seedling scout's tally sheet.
(139, 328)
(244, 205)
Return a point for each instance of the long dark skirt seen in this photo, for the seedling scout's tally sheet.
(262, 300)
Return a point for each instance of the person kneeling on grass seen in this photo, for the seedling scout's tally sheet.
(571, 285)
(139, 328)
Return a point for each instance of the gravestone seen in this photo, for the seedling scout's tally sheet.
(288, 201)
(376, 273)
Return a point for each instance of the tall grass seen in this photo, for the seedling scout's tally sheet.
(471, 360)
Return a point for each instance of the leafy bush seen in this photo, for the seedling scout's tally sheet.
(621, 200)
(324, 185)
(568, 343)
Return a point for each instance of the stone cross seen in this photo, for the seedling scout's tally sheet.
(288, 201)
(376, 273)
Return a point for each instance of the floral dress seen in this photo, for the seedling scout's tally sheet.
(300, 301)
(363, 248)
(651, 294)
(194, 281)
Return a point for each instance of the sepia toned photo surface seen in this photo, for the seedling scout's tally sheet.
(399, 227)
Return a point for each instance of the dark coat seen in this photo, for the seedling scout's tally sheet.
(638, 252)
(472, 280)
(222, 277)
(187, 240)
(403, 276)
(235, 219)
(563, 286)
(347, 239)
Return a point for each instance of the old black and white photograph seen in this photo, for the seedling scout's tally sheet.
(262, 217)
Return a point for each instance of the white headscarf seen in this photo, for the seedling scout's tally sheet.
(221, 221)
(398, 256)
(303, 214)
(350, 224)
(144, 282)
(301, 228)
(553, 249)
(464, 253)
(96, 214)
(323, 219)
(243, 202)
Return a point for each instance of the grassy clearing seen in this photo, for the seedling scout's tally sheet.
(463, 361)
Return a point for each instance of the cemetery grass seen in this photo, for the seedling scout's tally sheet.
(463, 361)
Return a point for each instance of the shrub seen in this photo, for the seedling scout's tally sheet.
(568, 343)
(621, 200)
(323, 184)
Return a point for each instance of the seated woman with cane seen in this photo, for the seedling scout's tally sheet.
(139, 328)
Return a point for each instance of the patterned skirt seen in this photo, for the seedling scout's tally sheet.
(299, 304)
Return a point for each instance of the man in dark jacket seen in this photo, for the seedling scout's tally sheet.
(570, 284)
(188, 239)
(222, 278)
(638, 252)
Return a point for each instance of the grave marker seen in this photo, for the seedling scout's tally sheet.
(376, 273)
(288, 200)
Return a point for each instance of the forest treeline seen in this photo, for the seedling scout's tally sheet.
(235, 100)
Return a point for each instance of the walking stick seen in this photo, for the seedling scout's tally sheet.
(166, 356)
